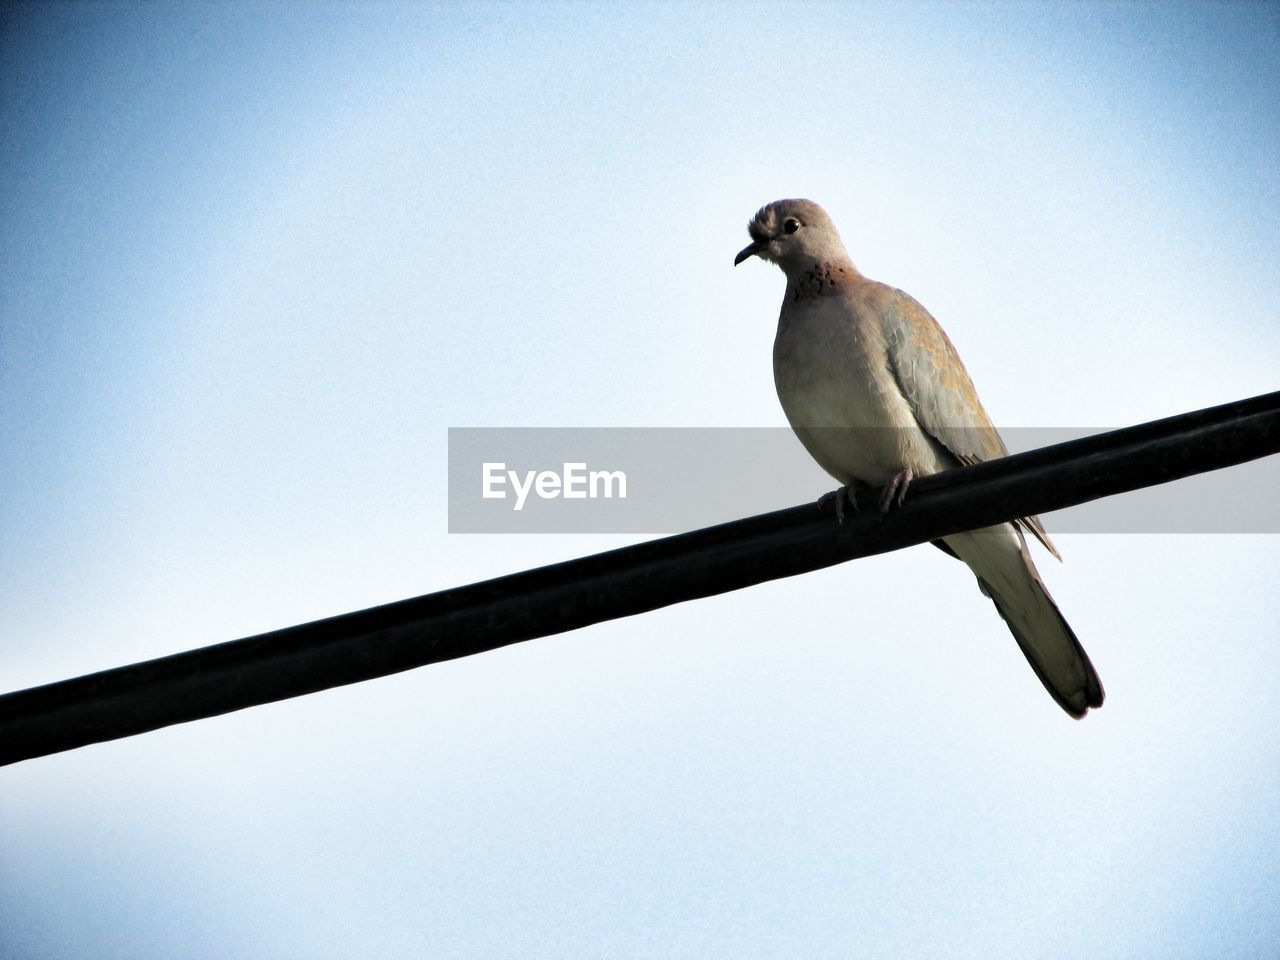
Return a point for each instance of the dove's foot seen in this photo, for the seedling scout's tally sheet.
(895, 491)
(847, 492)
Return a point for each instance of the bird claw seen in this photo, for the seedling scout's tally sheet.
(895, 489)
(847, 492)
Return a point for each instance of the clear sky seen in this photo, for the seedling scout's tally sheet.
(258, 258)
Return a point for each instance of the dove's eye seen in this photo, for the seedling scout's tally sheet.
(791, 225)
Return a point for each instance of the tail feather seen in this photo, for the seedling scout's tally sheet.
(1075, 690)
(1008, 576)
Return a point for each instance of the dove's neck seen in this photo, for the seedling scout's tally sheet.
(818, 278)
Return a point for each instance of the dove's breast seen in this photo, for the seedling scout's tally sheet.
(832, 374)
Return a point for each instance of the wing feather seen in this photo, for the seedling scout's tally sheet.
(937, 387)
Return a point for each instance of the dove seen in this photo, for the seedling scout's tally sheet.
(877, 394)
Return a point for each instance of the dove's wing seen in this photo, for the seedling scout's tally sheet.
(938, 389)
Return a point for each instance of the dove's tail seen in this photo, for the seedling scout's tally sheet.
(999, 557)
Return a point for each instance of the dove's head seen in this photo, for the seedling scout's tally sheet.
(797, 235)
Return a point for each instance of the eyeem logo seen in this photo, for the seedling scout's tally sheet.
(574, 482)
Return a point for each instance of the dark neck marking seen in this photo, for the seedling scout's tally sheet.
(819, 280)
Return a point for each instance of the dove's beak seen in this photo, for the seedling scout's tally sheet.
(749, 251)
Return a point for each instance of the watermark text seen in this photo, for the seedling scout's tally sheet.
(573, 482)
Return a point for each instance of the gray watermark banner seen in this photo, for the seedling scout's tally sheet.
(662, 480)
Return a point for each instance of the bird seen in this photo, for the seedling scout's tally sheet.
(877, 394)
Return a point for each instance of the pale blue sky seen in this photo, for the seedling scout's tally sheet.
(258, 258)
